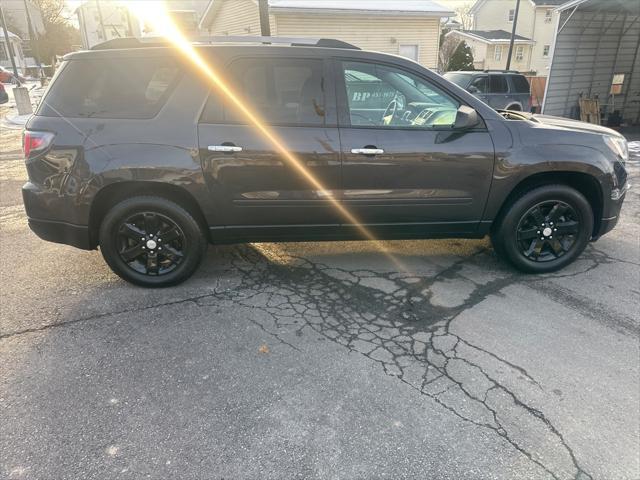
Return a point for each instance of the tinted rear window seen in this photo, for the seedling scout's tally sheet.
(111, 88)
(498, 84)
(520, 83)
(282, 91)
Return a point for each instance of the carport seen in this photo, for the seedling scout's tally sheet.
(595, 54)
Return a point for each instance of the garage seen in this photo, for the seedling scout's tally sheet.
(595, 62)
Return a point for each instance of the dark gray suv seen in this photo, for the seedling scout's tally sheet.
(137, 150)
(501, 89)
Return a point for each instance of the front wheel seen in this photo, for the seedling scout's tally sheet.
(545, 229)
(151, 241)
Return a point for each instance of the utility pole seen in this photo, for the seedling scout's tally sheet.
(20, 93)
(7, 40)
(32, 41)
(265, 28)
(513, 33)
(104, 32)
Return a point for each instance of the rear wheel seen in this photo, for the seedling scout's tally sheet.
(545, 229)
(151, 241)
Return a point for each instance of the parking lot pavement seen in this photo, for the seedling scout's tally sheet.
(319, 360)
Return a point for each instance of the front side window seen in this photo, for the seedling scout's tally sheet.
(497, 53)
(519, 53)
(133, 87)
(382, 96)
(281, 91)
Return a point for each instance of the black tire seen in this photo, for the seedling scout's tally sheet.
(545, 229)
(515, 107)
(132, 245)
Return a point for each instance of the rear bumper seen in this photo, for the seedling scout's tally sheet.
(61, 232)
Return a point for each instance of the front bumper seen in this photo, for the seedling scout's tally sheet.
(611, 220)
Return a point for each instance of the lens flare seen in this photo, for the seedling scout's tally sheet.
(156, 15)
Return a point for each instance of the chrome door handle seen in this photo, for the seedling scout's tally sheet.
(224, 148)
(367, 151)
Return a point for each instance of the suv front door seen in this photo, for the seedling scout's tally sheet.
(255, 188)
(405, 169)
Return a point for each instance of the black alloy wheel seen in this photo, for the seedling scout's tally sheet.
(151, 241)
(545, 229)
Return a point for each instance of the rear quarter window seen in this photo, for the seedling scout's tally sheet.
(520, 84)
(111, 88)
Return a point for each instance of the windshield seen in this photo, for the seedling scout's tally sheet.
(460, 79)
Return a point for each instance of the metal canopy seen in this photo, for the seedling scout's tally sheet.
(595, 41)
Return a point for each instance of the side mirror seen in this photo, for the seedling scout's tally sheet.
(466, 117)
(473, 89)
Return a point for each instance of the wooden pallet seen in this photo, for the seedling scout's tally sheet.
(589, 110)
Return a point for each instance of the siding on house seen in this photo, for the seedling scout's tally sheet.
(382, 34)
(590, 49)
(238, 17)
(543, 32)
(484, 53)
(494, 15)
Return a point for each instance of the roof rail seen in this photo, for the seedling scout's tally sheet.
(499, 70)
(133, 42)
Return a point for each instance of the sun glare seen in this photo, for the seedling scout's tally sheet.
(155, 14)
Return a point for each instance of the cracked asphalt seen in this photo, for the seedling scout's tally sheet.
(319, 360)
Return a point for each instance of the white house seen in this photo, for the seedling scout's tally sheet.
(490, 49)
(5, 59)
(536, 23)
(101, 21)
(410, 28)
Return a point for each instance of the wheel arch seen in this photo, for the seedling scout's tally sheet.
(586, 184)
(114, 193)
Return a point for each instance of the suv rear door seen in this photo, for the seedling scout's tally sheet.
(254, 186)
(408, 173)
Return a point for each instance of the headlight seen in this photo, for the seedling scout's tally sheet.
(618, 146)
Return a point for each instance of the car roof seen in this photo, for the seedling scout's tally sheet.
(479, 72)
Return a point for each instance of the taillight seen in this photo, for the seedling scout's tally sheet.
(35, 142)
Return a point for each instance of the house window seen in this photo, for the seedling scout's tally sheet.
(497, 53)
(548, 14)
(545, 51)
(519, 53)
(512, 14)
(409, 51)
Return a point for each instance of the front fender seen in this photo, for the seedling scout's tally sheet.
(515, 167)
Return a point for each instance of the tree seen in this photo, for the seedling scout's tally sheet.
(448, 46)
(60, 35)
(462, 58)
(465, 17)
(13, 26)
